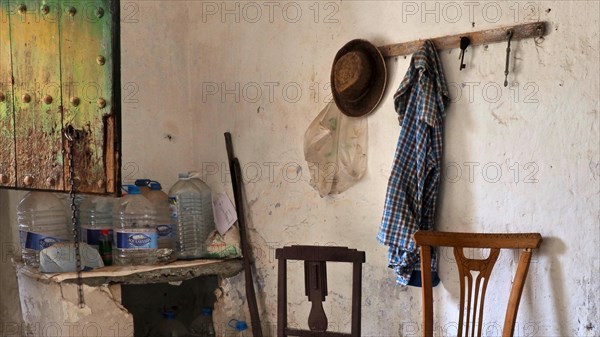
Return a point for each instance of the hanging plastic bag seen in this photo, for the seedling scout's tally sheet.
(335, 147)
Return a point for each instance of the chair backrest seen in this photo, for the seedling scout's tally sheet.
(494, 242)
(315, 278)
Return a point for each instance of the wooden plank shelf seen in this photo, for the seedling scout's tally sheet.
(172, 272)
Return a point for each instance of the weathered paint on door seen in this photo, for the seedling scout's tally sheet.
(34, 42)
(86, 70)
(7, 140)
(58, 55)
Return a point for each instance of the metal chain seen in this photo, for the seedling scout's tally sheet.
(72, 135)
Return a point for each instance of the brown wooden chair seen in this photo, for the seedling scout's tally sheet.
(315, 278)
(429, 239)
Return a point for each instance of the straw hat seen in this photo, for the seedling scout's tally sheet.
(358, 78)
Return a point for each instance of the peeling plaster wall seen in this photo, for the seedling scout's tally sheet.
(52, 310)
(524, 158)
(10, 308)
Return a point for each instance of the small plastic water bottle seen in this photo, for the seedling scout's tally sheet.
(96, 215)
(170, 327)
(135, 236)
(202, 326)
(165, 227)
(42, 222)
(187, 213)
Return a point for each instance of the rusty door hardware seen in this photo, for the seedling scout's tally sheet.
(53, 73)
(73, 136)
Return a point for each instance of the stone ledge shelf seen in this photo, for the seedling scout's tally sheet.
(172, 272)
(50, 304)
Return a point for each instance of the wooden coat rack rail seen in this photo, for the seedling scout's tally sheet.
(522, 31)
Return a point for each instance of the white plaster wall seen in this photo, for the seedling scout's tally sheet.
(542, 132)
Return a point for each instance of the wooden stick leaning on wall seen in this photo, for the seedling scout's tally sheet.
(522, 31)
(236, 181)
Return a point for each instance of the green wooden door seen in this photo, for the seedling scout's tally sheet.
(59, 55)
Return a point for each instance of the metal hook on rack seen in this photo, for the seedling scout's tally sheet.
(509, 33)
(464, 43)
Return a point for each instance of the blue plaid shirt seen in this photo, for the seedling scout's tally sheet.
(413, 185)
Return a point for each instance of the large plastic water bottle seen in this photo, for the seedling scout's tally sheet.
(165, 227)
(207, 205)
(135, 238)
(190, 214)
(203, 326)
(169, 327)
(42, 222)
(96, 215)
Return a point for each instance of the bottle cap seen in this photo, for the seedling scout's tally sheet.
(155, 186)
(142, 182)
(206, 311)
(184, 175)
(241, 326)
(132, 189)
(169, 314)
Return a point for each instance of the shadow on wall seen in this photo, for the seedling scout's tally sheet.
(551, 249)
(10, 307)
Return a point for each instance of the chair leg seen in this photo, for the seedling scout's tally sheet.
(282, 298)
(356, 299)
(427, 291)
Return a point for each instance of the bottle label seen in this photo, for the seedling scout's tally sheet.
(37, 241)
(165, 231)
(173, 207)
(92, 235)
(137, 240)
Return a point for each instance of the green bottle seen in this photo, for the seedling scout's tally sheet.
(105, 247)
